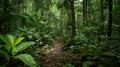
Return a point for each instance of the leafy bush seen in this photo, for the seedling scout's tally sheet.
(12, 48)
(91, 55)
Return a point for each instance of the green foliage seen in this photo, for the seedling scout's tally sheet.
(41, 21)
(36, 29)
(93, 55)
(13, 45)
(23, 46)
(10, 42)
(27, 59)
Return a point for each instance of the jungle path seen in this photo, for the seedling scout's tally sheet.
(55, 54)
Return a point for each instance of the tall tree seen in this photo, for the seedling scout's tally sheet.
(101, 10)
(4, 6)
(73, 24)
(110, 19)
(85, 11)
(101, 21)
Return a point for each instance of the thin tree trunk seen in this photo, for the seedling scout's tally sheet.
(73, 23)
(102, 16)
(110, 20)
(89, 10)
(3, 28)
(101, 21)
(85, 12)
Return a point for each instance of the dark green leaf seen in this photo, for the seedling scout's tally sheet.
(23, 46)
(27, 59)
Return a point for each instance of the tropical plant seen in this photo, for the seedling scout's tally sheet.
(89, 55)
(12, 46)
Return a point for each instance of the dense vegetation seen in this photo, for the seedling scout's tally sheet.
(59, 33)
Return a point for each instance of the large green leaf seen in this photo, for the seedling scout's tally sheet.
(27, 59)
(7, 43)
(8, 47)
(10, 44)
(3, 38)
(4, 54)
(14, 49)
(23, 46)
(18, 40)
(11, 39)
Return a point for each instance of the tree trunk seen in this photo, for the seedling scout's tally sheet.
(102, 16)
(101, 22)
(89, 9)
(85, 12)
(4, 28)
(73, 24)
(110, 20)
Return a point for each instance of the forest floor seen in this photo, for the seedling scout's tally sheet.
(56, 55)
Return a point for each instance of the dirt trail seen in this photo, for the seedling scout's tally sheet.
(55, 54)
